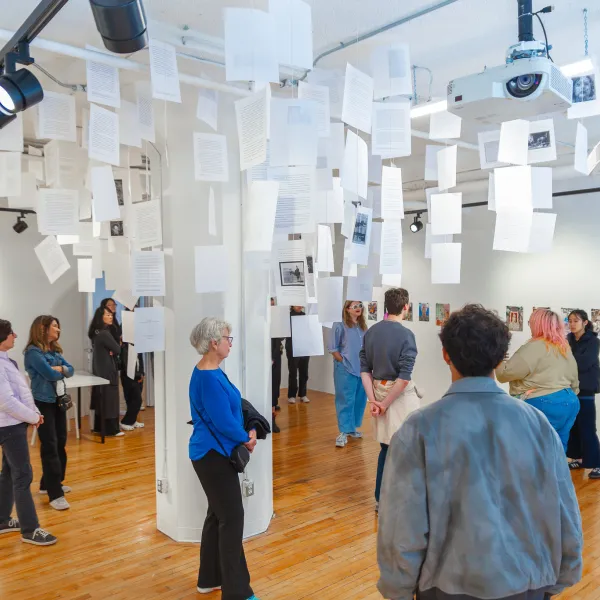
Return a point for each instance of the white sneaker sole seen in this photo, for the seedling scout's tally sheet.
(26, 541)
(291, 401)
(59, 508)
(208, 590)
(9, 530)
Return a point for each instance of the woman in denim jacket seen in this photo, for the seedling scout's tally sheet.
(45, 366)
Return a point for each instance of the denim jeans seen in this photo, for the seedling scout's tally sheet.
(350, 399)
(16, 477)
(583, 442)
(561, 409)
(380, 466)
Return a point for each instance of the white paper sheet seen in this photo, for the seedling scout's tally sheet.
(85, 280)
(103, 84)
(36, 168)
(211, 162)
(130, 133)
(489, 145)
(434, 239)
(581, 150)
(513, 230)
(392, 198)
(390, 262)
(320, 95)
(337, 146)
(105, 200)
(392, 73)
(324, 249)
(444, 125)
(148, 273)
(212, 213)
(52, 258)
(446, 214)
(355, 172)
(542, 232)
(145, 111)
(117, 269)
(361, 236)
(252, 118)
(61, 162)
(259, 217)
(541, 185)
(280, 322)
(375, 169)
(514, 142)
(295, 206)
(10, 174)
(250, 46)
(11, 136)
(98, 252)
(513, 188)
(358, 99)
(131, 361)
(212, 269)
(349, 219)
(207, 109)
(28, 195)
(294, 133)
(290, 271)
(376, 227)
(431, 164)
(307, 336)
(391, 129)
(542, 142)
(330, 204)
(330, 291)
(491, 192)
(593, 158)
(147, 229)
(293, 25)
(58, 212)
(104, 135)
(164, 71)
(149, 330)
(334, 80)
(360, 287)
(445, 263)
(446, 164)
(57, 117)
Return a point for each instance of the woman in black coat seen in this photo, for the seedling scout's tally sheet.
(584, 447)
(105, 398)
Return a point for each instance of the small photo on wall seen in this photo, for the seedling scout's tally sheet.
(424, 312)
(595, 316)
(292, 273)
(119, 188)
(372, 312)
(514, 318)
(442, 312)
(409, 314)
(584, 88)
(565, 315)
(117, 229)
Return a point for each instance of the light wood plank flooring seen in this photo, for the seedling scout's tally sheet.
(321, 544)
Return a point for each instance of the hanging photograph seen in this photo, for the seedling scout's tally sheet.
(442, 312)
(514, 318)
(409, 314)
(372, 313)
(595, 316)
(309, 264)
(539, 140)
(565, 315)
(116, 229)
(292, 273)
(360, 229)
(584, 88)
(424, 312)
(120, 197)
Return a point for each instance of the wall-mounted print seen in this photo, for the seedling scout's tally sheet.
(442, 312)
(372, 311)
(292, 273)
(565, 316)
(409, 314)
(514, 318)
(584, 88)
(424, 312)
(116, 229)
(595, 317)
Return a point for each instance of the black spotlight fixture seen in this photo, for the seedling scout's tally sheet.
(20, 226)
(417, 224)
(122, 24)
(19, 91)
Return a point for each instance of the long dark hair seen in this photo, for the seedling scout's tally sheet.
(581, 314)
(103, 305)
(97, 323)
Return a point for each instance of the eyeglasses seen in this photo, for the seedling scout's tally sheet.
(355, 306)
(228, 338)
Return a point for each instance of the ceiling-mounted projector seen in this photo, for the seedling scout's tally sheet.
(529, 84)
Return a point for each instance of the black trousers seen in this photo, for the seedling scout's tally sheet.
(298, 376)
(583, 440)
(435, 594)
(16, 477)
(111, 426)
(222, 559)
(132, 390)
(53, 448)
(276, 377)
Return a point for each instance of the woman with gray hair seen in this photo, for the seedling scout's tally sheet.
(216, 407)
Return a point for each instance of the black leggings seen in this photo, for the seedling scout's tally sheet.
(222, 559)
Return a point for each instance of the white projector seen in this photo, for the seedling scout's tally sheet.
(519, 90)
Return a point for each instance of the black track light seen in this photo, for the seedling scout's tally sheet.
(417, 224)
(18, 91)
(122, 24)
(20, 226)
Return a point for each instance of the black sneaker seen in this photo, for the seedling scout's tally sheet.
(275, 427)
(277, 407)
(9, 526)
(594, 473)
(39, 538)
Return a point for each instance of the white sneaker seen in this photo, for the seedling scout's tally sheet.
(138, 425)
(126, 427)
(65, 488)
(305, 399)
(356, 434)
(60, 504)
(143, 408)
(120, 434)
(341, 440)
(208, 590)
(291, 400)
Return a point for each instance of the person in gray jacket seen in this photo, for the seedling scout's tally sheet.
(477, 499)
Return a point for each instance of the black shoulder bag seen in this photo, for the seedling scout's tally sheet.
(63, 400)
(240, 455)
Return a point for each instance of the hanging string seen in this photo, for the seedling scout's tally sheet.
(166, 135)
(585, 31)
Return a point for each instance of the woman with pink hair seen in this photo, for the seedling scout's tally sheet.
(543, 372)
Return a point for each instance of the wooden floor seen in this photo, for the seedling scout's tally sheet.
(321, 544)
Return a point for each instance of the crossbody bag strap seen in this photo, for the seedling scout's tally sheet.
(211, 431)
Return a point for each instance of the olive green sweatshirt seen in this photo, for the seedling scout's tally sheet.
(538, 369)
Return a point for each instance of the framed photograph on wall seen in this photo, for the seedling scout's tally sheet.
(372, 311)
(424, 312)
(514, 318)
(442, 312)
(409, 314)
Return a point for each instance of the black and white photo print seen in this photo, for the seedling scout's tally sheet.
(292, 273)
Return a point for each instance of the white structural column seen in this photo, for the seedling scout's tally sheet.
(182, 510)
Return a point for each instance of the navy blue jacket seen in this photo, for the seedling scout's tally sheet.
(38, 365)
(586, 350)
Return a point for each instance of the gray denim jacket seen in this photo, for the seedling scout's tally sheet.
(477, 499)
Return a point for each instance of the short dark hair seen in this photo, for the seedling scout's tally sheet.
(395, 300)
(476, 340)
(5, 330)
